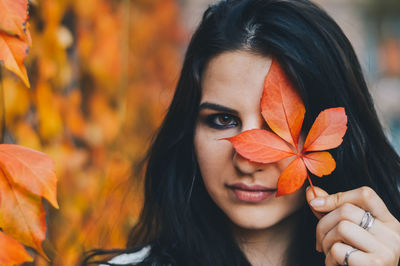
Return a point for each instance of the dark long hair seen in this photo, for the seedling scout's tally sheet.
(179, 220)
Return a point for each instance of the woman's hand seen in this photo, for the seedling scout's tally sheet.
(339, 231)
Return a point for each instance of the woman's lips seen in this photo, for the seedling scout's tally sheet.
(251, 193)
(252, 196)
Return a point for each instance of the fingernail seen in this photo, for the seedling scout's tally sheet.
(317, 202)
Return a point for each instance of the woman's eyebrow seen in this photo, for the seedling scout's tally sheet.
(217, 107)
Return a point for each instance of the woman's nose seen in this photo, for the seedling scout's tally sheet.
(245, 166)
(255, 121)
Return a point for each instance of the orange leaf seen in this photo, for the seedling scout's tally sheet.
(260, 146)
(319, 163)
(32, 170)
(283, 110)
(13, 15)
(327, 131)
(13, 51)
(12, 252)
(22, 215)
(281, 105)
(292, 178)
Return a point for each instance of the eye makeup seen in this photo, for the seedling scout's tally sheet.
(222, 121)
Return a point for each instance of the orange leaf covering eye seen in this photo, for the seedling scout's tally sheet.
(261, 146)
(283, 110)
(281, 107)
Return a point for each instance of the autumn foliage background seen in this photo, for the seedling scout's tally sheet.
(102, 73)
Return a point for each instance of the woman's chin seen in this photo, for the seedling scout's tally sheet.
(254, 220)
(249, 225)
(259, 218)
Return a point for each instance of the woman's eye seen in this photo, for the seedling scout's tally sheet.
(222, 121)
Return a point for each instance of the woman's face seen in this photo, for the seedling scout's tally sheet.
(231, 91)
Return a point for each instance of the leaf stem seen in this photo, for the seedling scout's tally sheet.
(312, 187)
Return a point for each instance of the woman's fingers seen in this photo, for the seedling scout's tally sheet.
(339, 230)
(363, 197)
(337, 254)
(310, 196)
(371, 251)
(356, 257)
(347, 212)
(354, 214)
(352, 235)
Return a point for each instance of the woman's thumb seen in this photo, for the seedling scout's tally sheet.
(310, 196)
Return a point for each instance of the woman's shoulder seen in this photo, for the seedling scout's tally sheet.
(130, 258)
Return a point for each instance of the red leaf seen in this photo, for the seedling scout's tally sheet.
(260, 146)
(31, 170)
(13, 15)
(281, 105)
(319, 163)
(292, 178)
(12, 252)
(327, 131)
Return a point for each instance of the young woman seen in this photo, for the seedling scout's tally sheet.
(201, 205)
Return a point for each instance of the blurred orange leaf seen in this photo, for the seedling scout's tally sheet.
(16, 98)
(13, 15)
(30, 169)
(14, 36)
(12, 252)
(49, 107)
(13, 51)
(25, 176)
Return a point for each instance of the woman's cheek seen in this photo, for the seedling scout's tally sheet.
(208, 142)
(214, 155)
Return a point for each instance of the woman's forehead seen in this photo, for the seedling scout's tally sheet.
(235, 79)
